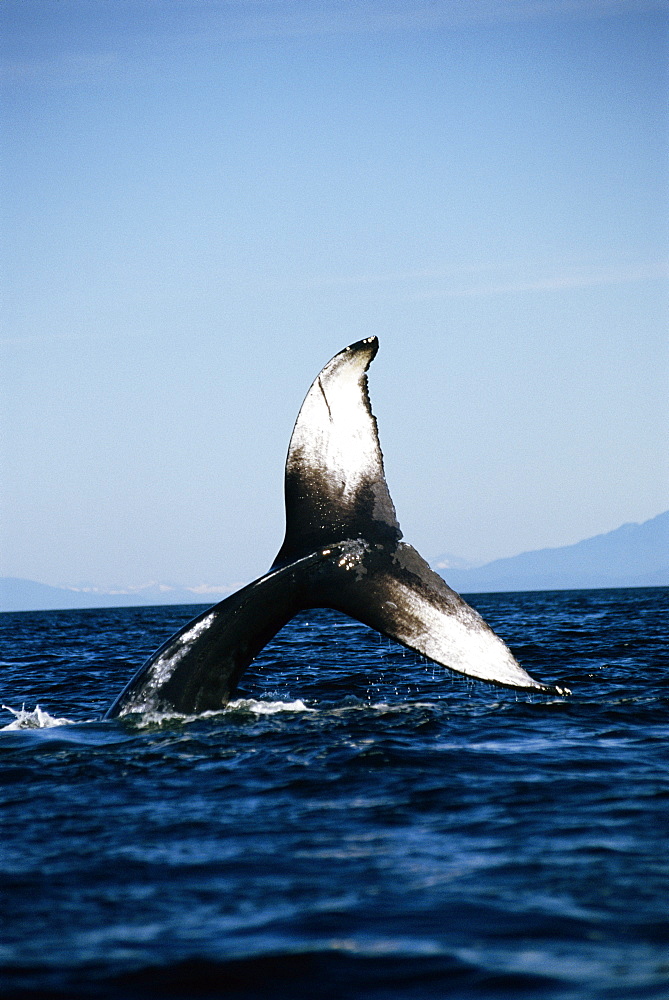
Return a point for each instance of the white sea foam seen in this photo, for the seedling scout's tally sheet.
(37, 719)
(267, 707)
(157, 718)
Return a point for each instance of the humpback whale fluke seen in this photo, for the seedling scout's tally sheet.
(342, 549)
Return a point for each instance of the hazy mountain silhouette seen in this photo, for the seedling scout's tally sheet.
(634, 555)
(26, 595)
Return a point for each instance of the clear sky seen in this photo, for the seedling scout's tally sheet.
(204, 200)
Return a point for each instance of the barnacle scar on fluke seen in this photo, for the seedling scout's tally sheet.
(343, 549)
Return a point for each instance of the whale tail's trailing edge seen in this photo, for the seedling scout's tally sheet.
(343, 550)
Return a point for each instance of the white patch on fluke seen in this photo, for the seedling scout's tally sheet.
(197, 629)
(335, 434)
(462, 642)
(164, 667)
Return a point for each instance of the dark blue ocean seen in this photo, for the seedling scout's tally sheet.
(359, 823)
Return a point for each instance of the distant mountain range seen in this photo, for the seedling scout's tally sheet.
(26, 595)
(634, 555)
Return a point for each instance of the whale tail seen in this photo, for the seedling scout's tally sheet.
(342, 549)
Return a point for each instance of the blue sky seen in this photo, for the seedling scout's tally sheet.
(203, 201)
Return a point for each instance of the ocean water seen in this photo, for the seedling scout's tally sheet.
(359, 823)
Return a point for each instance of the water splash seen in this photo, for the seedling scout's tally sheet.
(37, 719)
